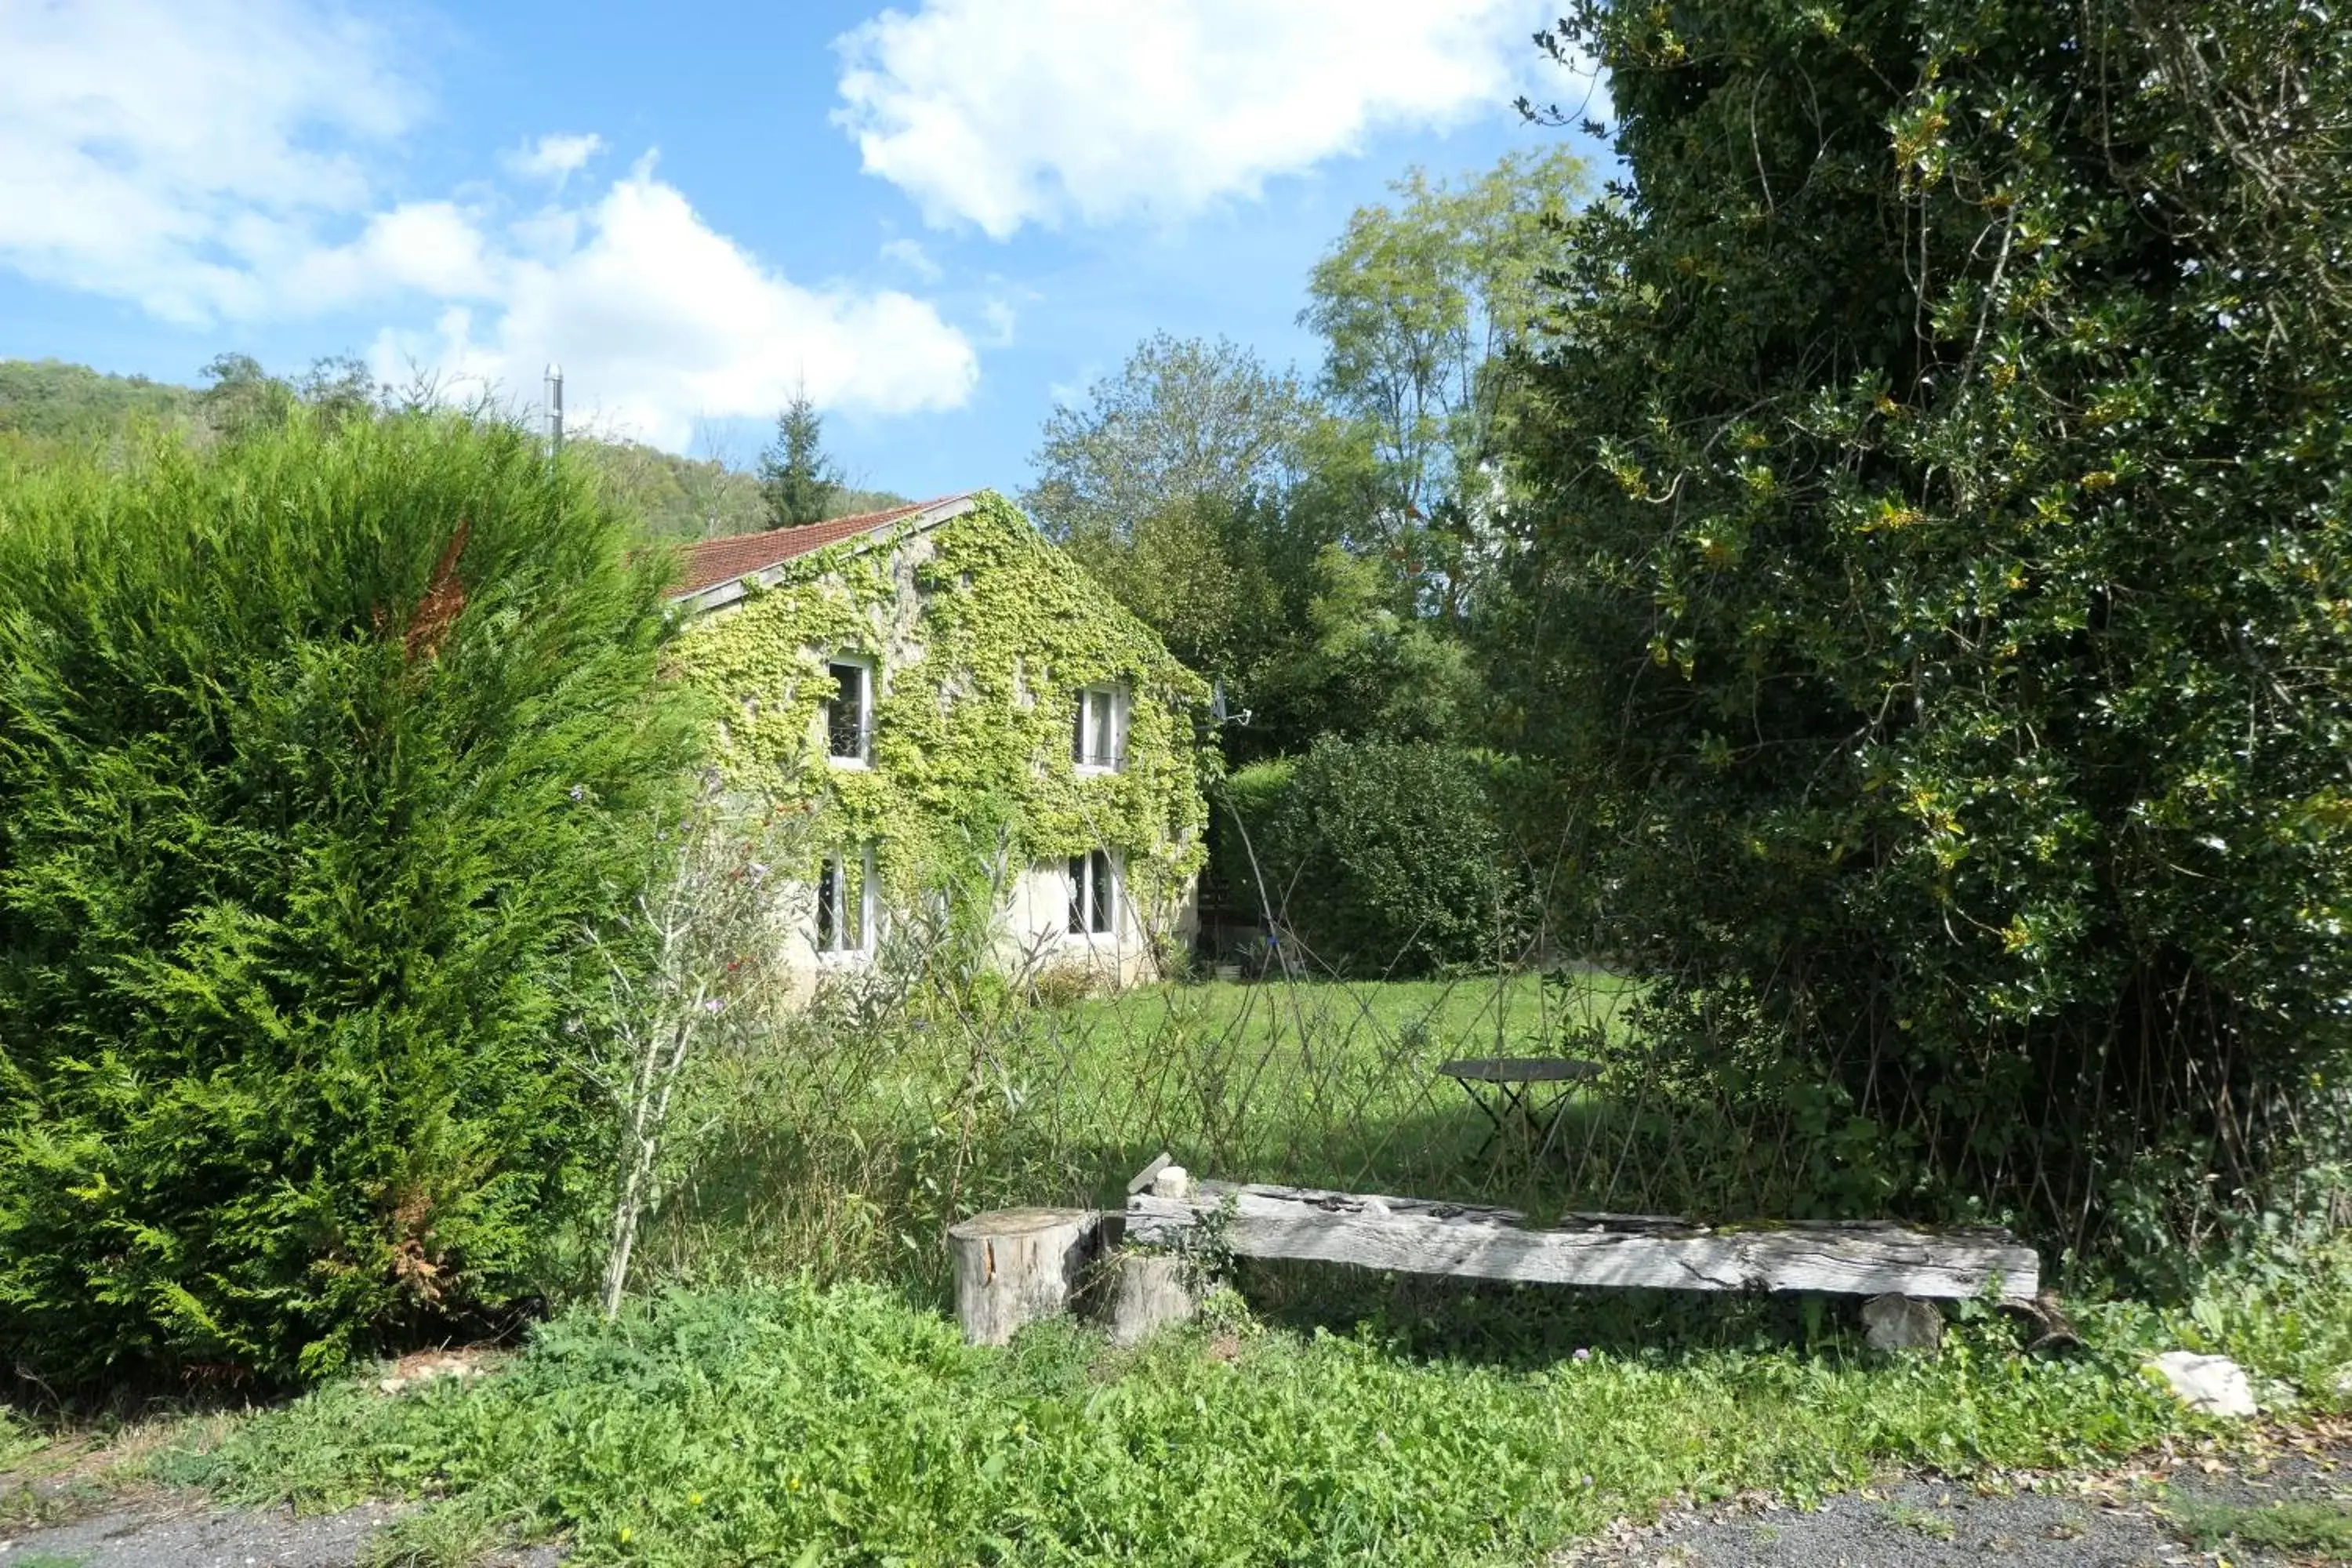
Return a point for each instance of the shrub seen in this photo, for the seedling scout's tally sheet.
(316, 755)
(1381, 858)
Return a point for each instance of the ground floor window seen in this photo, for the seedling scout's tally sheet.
(844, 902)
(1094, 894)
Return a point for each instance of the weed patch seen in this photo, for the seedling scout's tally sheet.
(808, 1424)
(2299, 1526)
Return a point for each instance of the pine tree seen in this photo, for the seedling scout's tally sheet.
(797, 481)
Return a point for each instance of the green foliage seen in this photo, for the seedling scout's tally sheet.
(974, 705)
(52, 401)
(1945, 545)
(1381, 858)
(1183, 420)
(797, 481)
(1423, 306)
(1370, 666)
(675, 497)
(315, 754)
(2295, 1526)
(799, 1424)
(1320, 555)
(1196, 572)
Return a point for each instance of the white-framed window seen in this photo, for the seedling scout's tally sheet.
(1094, 894)
(1098, 731)
(849, 711)
(845, 905)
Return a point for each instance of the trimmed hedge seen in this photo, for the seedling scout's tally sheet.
(1380, 858)
(316, 754)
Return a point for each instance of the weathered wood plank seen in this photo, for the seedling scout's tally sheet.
(1417, 1237)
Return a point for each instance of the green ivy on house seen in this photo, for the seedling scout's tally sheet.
(982, 634)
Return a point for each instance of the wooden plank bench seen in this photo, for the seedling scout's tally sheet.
(1167, 1212)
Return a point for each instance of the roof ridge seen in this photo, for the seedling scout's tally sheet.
(713, 562)
(788, 527)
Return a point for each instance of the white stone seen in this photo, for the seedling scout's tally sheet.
(1897, 1322)
(1172, 1182)
(2208, 1384)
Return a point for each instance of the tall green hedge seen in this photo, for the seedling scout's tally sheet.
(316, 753)
(1940, 593)
(1378, 857)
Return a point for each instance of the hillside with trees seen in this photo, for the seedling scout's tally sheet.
(47, 407)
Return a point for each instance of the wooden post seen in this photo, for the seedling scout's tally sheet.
(1013, 1266)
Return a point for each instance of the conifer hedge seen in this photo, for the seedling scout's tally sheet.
(316, 754)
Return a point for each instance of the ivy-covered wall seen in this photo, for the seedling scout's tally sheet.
(982, 634)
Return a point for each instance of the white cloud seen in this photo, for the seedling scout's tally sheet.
(156, 149)
(910, 254)
(210, 160)
(658, 321)
(1006, 112)
(554, 157)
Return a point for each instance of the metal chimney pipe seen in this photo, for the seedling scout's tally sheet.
(554, 409)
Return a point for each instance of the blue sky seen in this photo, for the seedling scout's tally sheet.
(939, 219)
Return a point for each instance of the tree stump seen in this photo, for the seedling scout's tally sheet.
(1148, 1291)
(1013, 1266)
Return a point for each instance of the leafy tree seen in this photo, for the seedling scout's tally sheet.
(240, 397)
(1369, 666)
(1381, 858)
(1182, 486)
(319, 753)
(1183, 418)
(1939, 593)
(797, 481)
(1423, 306)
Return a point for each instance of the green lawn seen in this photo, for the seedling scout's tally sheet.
(1506, 1014)
(846, 1147)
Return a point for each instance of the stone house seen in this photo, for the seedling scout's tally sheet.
(959, 706)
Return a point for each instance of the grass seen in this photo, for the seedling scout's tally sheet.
(850, 1145)
(808, 1425)
(2298, 1526)
(1921, 1521)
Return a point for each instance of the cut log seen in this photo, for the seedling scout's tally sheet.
(1013, 1266)
(1414, 1236)
(1148, 1291)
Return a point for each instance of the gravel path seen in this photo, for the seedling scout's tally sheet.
(183, 1531)
(2111, 1520)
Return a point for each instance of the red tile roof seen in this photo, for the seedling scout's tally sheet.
(715, 561)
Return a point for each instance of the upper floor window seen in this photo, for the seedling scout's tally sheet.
(1098, 741)
(845, 905)
(849, 711)
(1094, 894)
